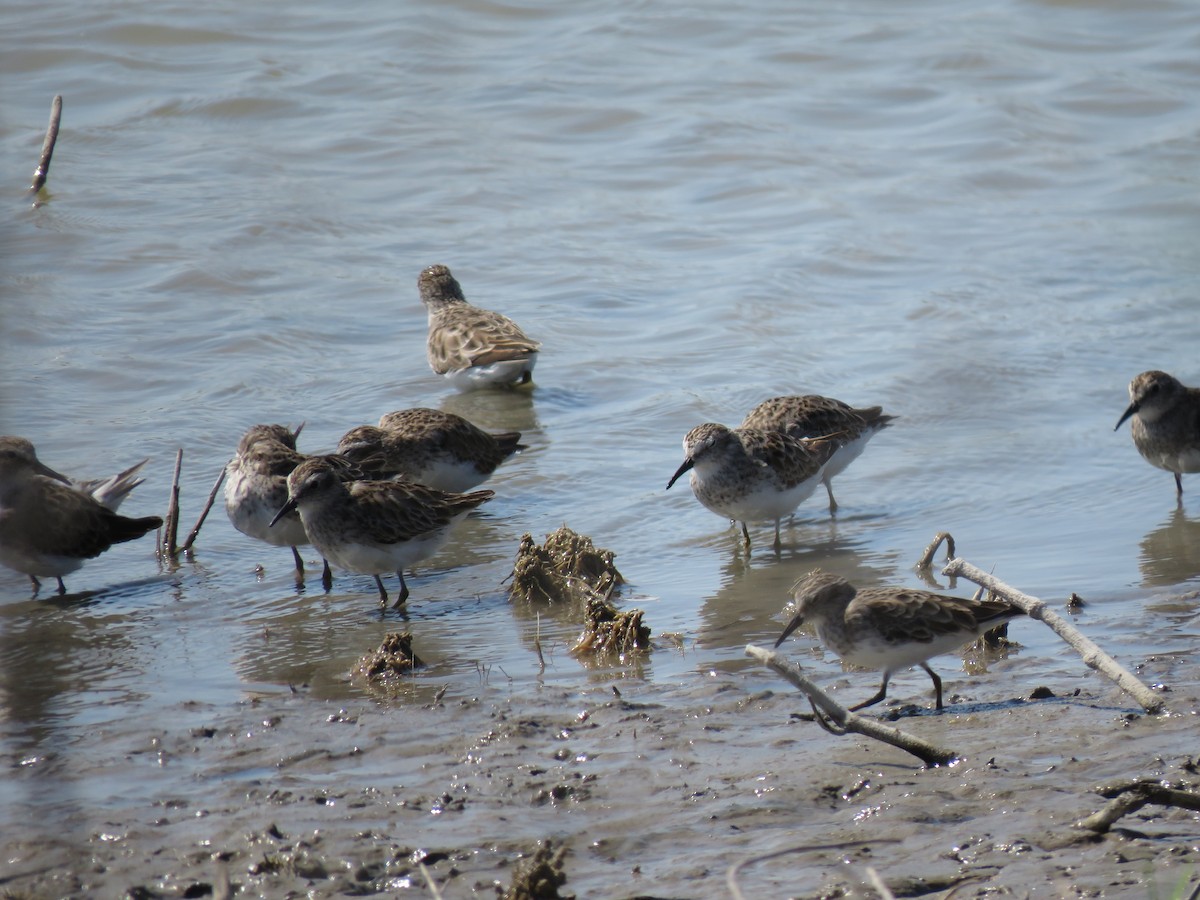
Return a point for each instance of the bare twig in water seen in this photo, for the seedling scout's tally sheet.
(941, 537)
(731, 874)
(171, 527)
(1129, 796)
(537, 645)
(840, 720)
(212, 497)
(1092, 655)
(43, 166)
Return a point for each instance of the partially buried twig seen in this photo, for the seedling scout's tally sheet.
(1037, 609)
(212, 497)
(731, 874)
(171, 525)
(43, 167)
(1130, 796)
(845, 721)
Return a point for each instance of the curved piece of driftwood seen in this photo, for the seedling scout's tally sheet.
(941, 537)
(1126, 797)
(43, 167)
(1037, 609)
(843, 720)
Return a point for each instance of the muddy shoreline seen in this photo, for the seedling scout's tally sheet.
(654, 792)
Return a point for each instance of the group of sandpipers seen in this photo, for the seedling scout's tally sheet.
(388, 496)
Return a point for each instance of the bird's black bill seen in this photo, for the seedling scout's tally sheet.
(687, 464)
(1133, 407)
(283, 511)
(796, 622)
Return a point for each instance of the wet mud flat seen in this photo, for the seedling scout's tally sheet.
(648, 790)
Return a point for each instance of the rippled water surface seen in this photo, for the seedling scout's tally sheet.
(981, 216)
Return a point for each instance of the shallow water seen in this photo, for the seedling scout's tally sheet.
(981, 218)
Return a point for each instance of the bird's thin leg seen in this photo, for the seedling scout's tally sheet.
(62, 588)
(1178, 484)
(383, 598)
(937, 683)
(299, 561)
(326, 576)
(746, 535)
(879, 696)
(37, 585)
(832, 503)
(778, 543)
(400, 600)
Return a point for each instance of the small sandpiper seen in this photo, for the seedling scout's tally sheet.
(814, 416)
(890, 629)
(469, 346)
(256, 487)
(1166, 423)
(372, 527)
(751, 474)
(50, 525)
(438, 449)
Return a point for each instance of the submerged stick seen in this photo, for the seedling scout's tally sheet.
(172, 520)
(212, 497)
(1085, 647)
(843, 719)
(43, 166)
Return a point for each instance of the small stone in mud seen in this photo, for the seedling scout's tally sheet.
(1041, 693)
(566, 567)
(605, 630)
(393, 659)
(540, 876)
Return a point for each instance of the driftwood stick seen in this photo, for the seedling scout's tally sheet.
(941, 537)
(1127, 797)
(172, 522)
(1037, 609)
(212, 497)
(843, 719)
(43, 167)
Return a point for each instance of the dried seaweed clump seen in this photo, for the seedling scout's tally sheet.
(393, 659)
(605, 630)
(566, 567)
(539, 876)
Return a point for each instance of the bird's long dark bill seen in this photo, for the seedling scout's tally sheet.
(1133, 407)
(796, 622)
(43, 469)
(687, 464)
(283, 511)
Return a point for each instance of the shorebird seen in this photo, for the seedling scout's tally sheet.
(814, 416)
(1166, 423)
(890, 628)
(469, 346)
(748, 474)
(49, 525)
(437, 449)
(372, 527)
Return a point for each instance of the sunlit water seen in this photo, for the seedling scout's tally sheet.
(982, 217)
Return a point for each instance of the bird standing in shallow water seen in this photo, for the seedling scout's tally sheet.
(814, 416)
(1166, 423)
(49, 526)
(890, 629)
(748, 474)
(372, 527)
(472, 347)
(437, 449)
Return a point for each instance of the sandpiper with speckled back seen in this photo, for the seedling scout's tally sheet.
(1166, 423)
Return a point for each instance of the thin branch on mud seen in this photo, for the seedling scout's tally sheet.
(731, 874)
(1037, 609)
(841, 720)
(876, 882)
(433, 888)
(43, 166)
(171, 527)
(1129, 796)
(926, 560)
(212, 497)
